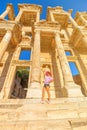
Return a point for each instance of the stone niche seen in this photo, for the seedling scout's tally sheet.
(20, 84)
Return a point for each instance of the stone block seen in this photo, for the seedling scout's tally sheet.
(62, 114)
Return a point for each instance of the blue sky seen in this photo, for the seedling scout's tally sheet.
(76, 5)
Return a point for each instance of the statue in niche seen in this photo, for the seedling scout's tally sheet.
(21, 82)
(17, 87)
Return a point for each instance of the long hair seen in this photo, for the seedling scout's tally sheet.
(48, 73)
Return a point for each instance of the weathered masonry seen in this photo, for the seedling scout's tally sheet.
(28, 47)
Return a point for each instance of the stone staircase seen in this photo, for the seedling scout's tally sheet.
(30, 114)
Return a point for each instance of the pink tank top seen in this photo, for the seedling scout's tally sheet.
(47, 79)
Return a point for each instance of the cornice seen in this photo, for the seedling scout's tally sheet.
(30, 7)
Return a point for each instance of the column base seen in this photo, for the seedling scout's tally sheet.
(34, 90)
(72, 90)
(2, 95)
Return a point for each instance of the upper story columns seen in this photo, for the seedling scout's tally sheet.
(52, 17)
(18, 17)
(4, 43)
(80, 16)
(3, 15)
(9, 11)
(28, 14)
(75, 25)
(38, 16)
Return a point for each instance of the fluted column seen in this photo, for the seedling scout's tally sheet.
(35, 81)
(4, 43)
(69, 84)
(3, 15)
(63, 60)
(18, 17)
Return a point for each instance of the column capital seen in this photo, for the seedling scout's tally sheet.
(8, 36)
(37, 31)
(70, 11)
(56, 33)
(8, 8)
(79, 13)
(9, 30)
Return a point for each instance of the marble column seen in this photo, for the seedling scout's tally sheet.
(38, 16)
(3, 15)
(17, 53)
(23, 33)
(75, 25)
(52, 17)
(4, 43)
(35, 82)
(82, 19)
(72, 89)
(18, 17)
(35, 77)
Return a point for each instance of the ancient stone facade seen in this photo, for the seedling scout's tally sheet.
(48, 40)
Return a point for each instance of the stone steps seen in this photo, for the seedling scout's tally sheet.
(30, 114)
(41, 113)
(71, 124)
(33, 104)
(37, 125)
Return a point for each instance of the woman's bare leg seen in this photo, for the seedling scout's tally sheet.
(43, 93)
(48, 92)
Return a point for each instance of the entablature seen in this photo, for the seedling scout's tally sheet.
(25, 46)
(47, 26)
(72, 58)
(26, 29)
(47, 23)
(21, 63)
